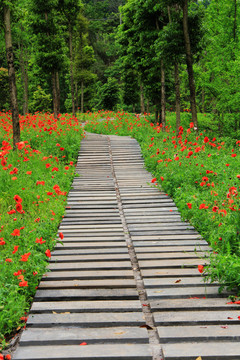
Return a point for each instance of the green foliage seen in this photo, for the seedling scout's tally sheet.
(4, 89)
(41, 101)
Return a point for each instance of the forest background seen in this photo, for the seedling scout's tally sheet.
(117, 54)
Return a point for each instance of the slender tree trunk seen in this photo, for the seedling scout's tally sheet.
(76, 94)
(189, 65)
(54, 91)
(177, 92)
(163, 97)
(82, 96)
(11, 75)
(134, 108)
(71, 70)
(58, 92)
(142, 99)
(24, 76)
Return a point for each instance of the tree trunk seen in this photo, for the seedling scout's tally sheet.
(163, 97)
(82, 96)
(11, 75)
(54, 90)
(71, 70)
(58, 92)
(134, 108)
(76, 94)
(189, 65)
(177, 92)
(142, 99)
(24, 75)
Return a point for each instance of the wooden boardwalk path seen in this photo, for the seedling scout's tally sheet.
(125, 285)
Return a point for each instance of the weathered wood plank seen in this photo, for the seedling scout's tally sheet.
(92, 352)
(75, 336)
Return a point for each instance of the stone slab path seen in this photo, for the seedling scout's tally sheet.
(125, 284)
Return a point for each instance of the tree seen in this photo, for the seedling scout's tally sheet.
(5, 12)
(70, 9)
(50, 53)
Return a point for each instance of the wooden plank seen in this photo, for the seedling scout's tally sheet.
(86, 306)
(91, 352)
(89, 274)
(86, 294)
(86, 320)
(226, 350)
(75, 336)
(197, 333)
(87, 284)
(184, 292)
(119, 265)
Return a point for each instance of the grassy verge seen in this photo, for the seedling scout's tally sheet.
(201, 173)
(35, 180)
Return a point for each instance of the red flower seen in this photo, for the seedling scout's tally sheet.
(17, 198)
(2, 242)
(203, 206)
(40, 182)
(191, 125)
(8, 357)
(40, 241)
(17, 273)
(19, 208)
(23, 283)
(206, 140)
(61, 235)
(16, 232)
(29, 172)
(153, 180)
(15, 249)
(200, 268)
(189, 205)
(162, 178)
(48, 253)
(25, 257)
(215, 209)
(11, 212)
(8, 260)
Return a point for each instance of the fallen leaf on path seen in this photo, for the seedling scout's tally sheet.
(178, 281)
(146, 326)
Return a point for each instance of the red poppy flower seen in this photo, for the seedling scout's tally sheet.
(17, 273)
(162, 178)
(16, 232)
(23, 283)
(48, 253)
(15, 249)
(25, 257)
(19, 208)
(11, 212)
(8, 357)
(2, 242)
(200, 268)
(153, 180)
(189, 205)
(8, 260)
(40, 241)
(61, 235)
(17, 198)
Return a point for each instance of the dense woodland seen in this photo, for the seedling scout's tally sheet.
(136, 55)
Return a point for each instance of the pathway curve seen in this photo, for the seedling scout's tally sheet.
(125, 285)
